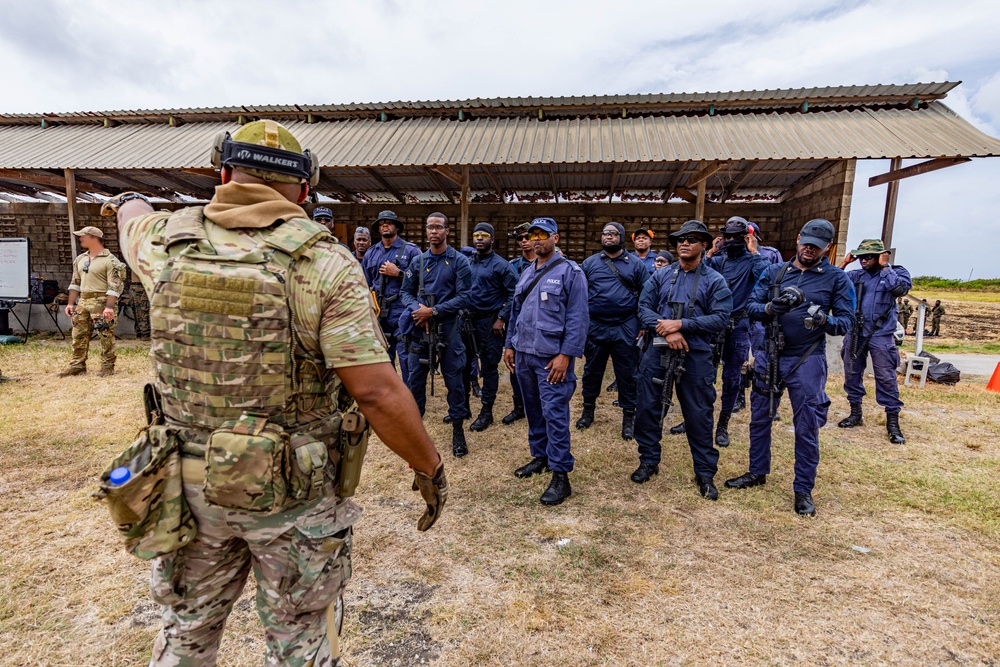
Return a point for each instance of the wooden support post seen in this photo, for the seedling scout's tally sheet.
(889, 216)
(699, 205)
(70, 176)
(464, 224)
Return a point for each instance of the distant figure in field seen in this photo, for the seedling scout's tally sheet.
(936, 313)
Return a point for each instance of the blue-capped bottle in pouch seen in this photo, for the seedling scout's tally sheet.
(119, 476)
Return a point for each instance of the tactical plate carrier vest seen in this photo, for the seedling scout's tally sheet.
(224, 340)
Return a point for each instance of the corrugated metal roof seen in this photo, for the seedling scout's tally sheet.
(935, 131)
(865, 95)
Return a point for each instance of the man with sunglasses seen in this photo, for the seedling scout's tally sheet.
(385, 264)
(547, 331)
(825, 299)
(686, 304)
(519, 264)
(642, 239)
(734, 254)
(435, 291)
(877, 286)
(493, 283)
(98, 281)
(614, 281)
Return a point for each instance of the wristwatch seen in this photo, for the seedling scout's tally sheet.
(128, 196)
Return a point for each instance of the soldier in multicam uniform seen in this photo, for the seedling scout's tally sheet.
(937, 312)
(98, 281)
(222, 341)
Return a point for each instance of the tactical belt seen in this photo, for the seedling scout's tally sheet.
(92, 295)
(482, 314)
(613, 320)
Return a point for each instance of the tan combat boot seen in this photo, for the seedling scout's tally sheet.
(105, 372)
(72, 370)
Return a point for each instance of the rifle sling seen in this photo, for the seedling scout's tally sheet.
(538, 276)
(611, 265)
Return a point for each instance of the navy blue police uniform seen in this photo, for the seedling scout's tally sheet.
(448, 278)
(741, 269)
(550, 320)
(613, 285)
(402, 254)
(493, 283)
(701, 299)
(875, 324)
(802, 361)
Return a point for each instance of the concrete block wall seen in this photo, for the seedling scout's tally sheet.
(827, 196)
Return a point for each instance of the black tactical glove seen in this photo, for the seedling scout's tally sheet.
(816, 317)
(777, 306)
(110, 207)
(435, 493)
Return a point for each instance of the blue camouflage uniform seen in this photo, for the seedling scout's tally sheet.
(741, 271)
(667, 295)
(829, 287)
(387, 288)
(876, 305)
(448, 278)
(493, 282)
(614, 324)
(552, 320)
(518, 264)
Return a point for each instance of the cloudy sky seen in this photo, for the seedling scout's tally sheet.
(97, 55)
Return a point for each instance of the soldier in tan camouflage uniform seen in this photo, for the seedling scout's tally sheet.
(221, 352)
(98, 281)
(140, 308)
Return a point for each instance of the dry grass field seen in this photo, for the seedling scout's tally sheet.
(901, 565)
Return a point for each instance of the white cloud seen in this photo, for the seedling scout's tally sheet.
(60, 55)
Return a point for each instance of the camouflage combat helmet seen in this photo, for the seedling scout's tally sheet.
(291, 163)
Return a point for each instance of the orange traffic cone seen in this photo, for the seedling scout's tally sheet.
(994, 383)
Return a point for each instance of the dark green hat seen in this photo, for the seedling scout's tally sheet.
(869, 247)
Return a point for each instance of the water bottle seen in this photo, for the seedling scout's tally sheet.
(119, 476)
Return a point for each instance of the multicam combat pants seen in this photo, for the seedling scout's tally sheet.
(301, 559)
(88, 309)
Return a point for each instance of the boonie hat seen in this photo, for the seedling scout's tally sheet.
(869, 247)
(692, 228)
(817, 232)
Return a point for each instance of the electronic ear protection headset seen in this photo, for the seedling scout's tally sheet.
(229, 153)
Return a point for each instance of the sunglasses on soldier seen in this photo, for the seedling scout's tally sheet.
(86, 266)
(538, 235)
(482, 235)
(689, 239)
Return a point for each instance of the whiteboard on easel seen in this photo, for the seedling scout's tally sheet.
(15, 270)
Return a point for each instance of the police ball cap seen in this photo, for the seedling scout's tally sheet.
(322, 212)
(545, 224)
(90, 231)
(817, 232)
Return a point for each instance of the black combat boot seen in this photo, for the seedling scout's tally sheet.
(587, 418)
(644, 472)
(677, 430)
(804, 504)
(536, 466)
(515, 414)
(484, 419)
(853, 419)
(476, 389)
(741, 401)
(706, 486)
(458, 446)
(746, 480)
(558, 491)
(628, 424)
(722, 430)
(467, 412)
(892, 426)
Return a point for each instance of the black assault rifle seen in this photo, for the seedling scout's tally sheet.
(435, 342)
(774, 343)
(673, 368)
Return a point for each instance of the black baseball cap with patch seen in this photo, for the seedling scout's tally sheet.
(817, 232)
